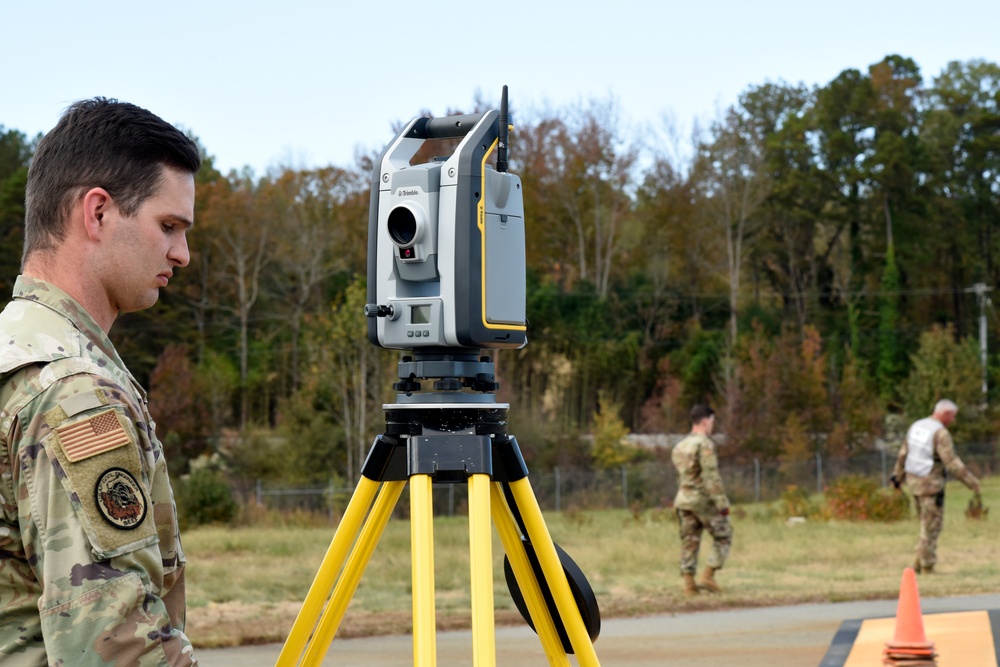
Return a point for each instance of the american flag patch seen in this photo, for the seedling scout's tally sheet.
(90, 437)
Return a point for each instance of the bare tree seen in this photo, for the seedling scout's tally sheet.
(311, 223)
(240, 246)
(734, 184)
(348, 372)
(583, 170)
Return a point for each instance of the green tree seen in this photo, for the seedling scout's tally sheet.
(843, 133)
(610, 447)
(857, 408)
(346, 378)
(664, 259)
(944, 367)
(892, 166)
(891, 365)
(15, 151)
(962, 149)
(697, 364)
(795, 242)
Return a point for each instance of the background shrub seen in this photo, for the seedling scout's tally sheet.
(859, 498)
(795, 502)
(204, 496)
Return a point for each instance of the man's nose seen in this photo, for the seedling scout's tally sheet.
(179, 253)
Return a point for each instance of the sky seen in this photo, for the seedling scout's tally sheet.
(311, 84)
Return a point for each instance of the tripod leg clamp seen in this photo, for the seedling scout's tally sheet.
(386, 461)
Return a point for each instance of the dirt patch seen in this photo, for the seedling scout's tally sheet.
(227, 624)
(220, 625)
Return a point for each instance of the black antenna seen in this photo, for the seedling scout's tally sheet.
(504, 127)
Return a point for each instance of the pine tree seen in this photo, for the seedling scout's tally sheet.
(890, 367)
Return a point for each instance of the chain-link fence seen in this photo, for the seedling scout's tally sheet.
(645, 485)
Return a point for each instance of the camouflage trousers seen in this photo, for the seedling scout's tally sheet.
(930, 509)
(692, 524)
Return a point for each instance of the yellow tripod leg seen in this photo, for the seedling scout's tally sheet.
(519, 563)
(422, 556)
(316, 598)
(555, 576)
(484, 652)
(347, 585)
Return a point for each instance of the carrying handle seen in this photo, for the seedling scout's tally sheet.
(445, 127)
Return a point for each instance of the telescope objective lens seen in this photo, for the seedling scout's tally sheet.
(402, 226)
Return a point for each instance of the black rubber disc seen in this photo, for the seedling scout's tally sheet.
(586, 601)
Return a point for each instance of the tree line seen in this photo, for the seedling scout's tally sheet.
(814, 261)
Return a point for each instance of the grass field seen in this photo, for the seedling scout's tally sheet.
(245, 585)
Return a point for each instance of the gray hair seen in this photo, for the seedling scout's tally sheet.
(945, 405)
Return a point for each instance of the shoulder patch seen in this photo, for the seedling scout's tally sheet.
(104, 479)
(95, 435)
(120, 498)
(88, 400)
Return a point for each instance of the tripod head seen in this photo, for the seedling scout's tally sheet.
(446, 376)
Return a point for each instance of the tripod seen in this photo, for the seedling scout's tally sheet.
(455, 437)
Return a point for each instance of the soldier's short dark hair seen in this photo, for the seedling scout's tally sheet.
(105, 143)
(700, 412)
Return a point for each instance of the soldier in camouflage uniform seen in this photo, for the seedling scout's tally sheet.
(924, 461)
(91, 565)
(701, 503)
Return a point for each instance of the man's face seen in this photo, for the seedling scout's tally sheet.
(144, 248)
(708, 424)
(947, 418)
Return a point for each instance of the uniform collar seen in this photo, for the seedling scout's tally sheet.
(50, 296)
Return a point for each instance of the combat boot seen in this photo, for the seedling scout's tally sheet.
(707, 581)
(690, 587)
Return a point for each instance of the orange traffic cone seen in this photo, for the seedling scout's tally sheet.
(909, 646)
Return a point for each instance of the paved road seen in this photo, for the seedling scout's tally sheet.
(791, 636)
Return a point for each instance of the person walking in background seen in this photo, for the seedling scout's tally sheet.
(925, 459)
(91, 566)
(701, 503)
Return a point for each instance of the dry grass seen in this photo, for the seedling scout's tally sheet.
(246, 585)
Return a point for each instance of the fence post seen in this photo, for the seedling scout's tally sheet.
(624, 487)
(330, 502)
(885, 472)
(260, 494)
(756, 480)
(558, 489)
(819, 473)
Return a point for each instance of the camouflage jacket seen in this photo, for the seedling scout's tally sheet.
(699, 485)
(945, 461)
(91, 566)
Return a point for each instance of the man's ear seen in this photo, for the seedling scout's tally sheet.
(97, 207)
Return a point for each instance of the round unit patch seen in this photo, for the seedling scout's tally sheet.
(120, 498)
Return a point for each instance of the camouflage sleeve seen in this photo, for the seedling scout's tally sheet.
(87, 515)
(710, 474)
(899, 470)
(944, 447)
